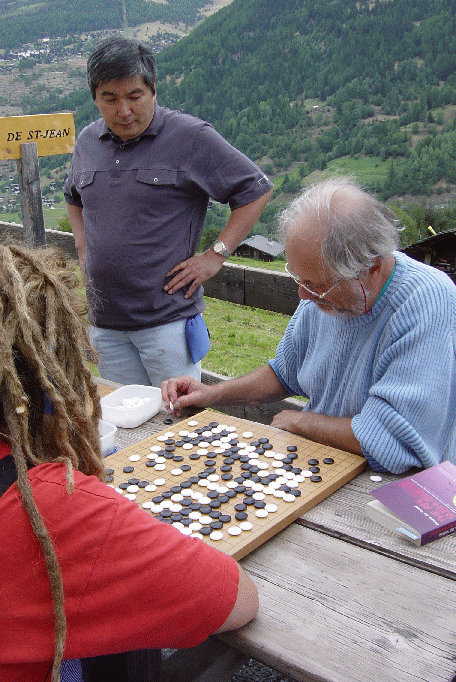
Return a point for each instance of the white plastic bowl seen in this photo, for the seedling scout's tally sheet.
(107, 433)
(115, 409)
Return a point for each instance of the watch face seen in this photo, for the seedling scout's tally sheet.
(219, 247)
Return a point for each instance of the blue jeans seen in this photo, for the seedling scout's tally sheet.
(144, 356)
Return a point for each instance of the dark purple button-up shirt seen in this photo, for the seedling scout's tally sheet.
(144, 203)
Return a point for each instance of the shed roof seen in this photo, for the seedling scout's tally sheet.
(269, 246)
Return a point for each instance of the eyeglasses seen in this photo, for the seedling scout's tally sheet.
(311, 291)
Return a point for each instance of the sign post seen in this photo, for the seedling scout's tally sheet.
(25, 138)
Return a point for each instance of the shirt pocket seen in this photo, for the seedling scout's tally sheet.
(85, 179)
(157, 177)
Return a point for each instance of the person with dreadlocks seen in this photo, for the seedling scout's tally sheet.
(84, 571)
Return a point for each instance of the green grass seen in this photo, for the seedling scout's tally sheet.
(366, 170)
(242, 338)
(51, 217)
(275, 265)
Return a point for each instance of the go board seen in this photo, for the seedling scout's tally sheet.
(231, 482)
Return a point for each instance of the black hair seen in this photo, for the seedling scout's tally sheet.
(116, 58)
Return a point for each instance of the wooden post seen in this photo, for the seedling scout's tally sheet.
(30, 192)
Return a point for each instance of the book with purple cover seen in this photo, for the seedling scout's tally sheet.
(420, 507)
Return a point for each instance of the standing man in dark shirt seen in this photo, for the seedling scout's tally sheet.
(137, 194)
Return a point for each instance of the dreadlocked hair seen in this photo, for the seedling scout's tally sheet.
(43, 362)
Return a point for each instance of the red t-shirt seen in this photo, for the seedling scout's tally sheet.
(130, 581)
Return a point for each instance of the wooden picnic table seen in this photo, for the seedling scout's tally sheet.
(341, 599)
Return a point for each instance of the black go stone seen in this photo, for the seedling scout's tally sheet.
(313, 462)
(241, 516)
(142, 484)
(167, 421)
(123, 486)
(216, 525)
(291, 448)
(186, 467)
(205, 530)
(133, 481)
(315, 479)
(225, 518)
(328, 460)
(128, 470)
(215, 503)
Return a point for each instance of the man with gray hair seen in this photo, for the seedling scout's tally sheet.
(371, 344)
(137, 195)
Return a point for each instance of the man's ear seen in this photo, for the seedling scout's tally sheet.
(376, 267)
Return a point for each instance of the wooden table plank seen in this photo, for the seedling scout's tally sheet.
(342, 515)
(333, 612)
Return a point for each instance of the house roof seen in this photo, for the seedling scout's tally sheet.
(445, 240)
(263, 244)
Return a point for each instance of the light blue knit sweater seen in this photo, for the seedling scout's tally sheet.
(394, 372)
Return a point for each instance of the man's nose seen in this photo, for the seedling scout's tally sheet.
(124, 108)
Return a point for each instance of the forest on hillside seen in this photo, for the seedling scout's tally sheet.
(23, 21)
(378, 73)
(299, 84)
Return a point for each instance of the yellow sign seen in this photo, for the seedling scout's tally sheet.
(53, 134)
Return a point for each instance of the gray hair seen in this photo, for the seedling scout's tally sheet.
(358, 228)
(116, 58)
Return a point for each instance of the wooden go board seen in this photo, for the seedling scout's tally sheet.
(231, 482)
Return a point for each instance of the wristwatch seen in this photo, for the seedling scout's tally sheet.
(220, 248)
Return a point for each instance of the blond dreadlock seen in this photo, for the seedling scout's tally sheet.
(43, 353)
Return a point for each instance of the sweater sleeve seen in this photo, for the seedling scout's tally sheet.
(409, 416)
